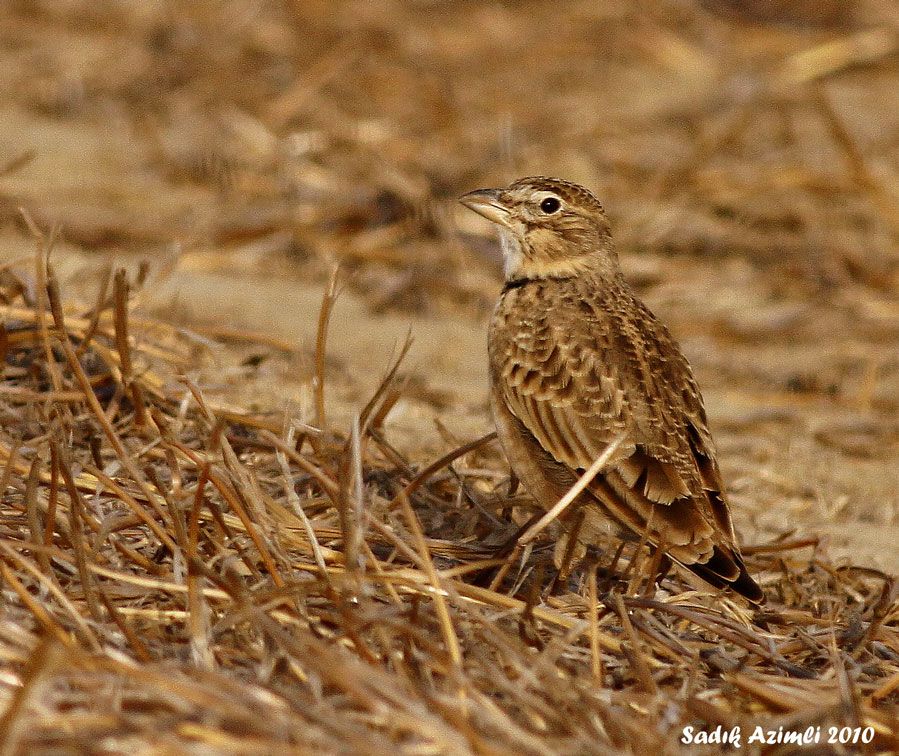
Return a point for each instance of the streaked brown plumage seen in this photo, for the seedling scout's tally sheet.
(577, 360)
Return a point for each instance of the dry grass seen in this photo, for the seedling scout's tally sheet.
(186, 565)
(180, 576)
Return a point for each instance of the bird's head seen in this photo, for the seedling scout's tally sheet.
(549, 228)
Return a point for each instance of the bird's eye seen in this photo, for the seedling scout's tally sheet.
(550, 205)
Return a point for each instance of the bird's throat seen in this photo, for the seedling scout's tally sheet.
(530, 264)
(513, 255)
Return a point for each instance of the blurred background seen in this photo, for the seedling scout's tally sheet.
(747, 152)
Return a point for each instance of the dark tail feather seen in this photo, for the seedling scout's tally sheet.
(748, 588)
(726, 570)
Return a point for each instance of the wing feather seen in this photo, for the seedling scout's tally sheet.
(575, 386)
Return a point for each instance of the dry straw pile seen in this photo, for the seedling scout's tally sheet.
(176, 575)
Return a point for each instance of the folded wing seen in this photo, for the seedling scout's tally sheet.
(577, 388)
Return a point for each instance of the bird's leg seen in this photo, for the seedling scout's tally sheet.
(488, 577)
(510, 543)
(659, 565)
(665, 565)
(572, 552)
(610, 571)
(513, 483)
(632, 572)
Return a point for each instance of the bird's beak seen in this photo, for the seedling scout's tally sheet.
(486, 202)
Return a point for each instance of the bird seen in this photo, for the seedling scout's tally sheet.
(577, 361)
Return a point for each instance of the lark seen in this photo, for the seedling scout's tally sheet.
(578, 363)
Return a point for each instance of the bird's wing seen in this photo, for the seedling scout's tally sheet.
(575, 386)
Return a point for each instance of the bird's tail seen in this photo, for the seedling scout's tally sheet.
(726, 569)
